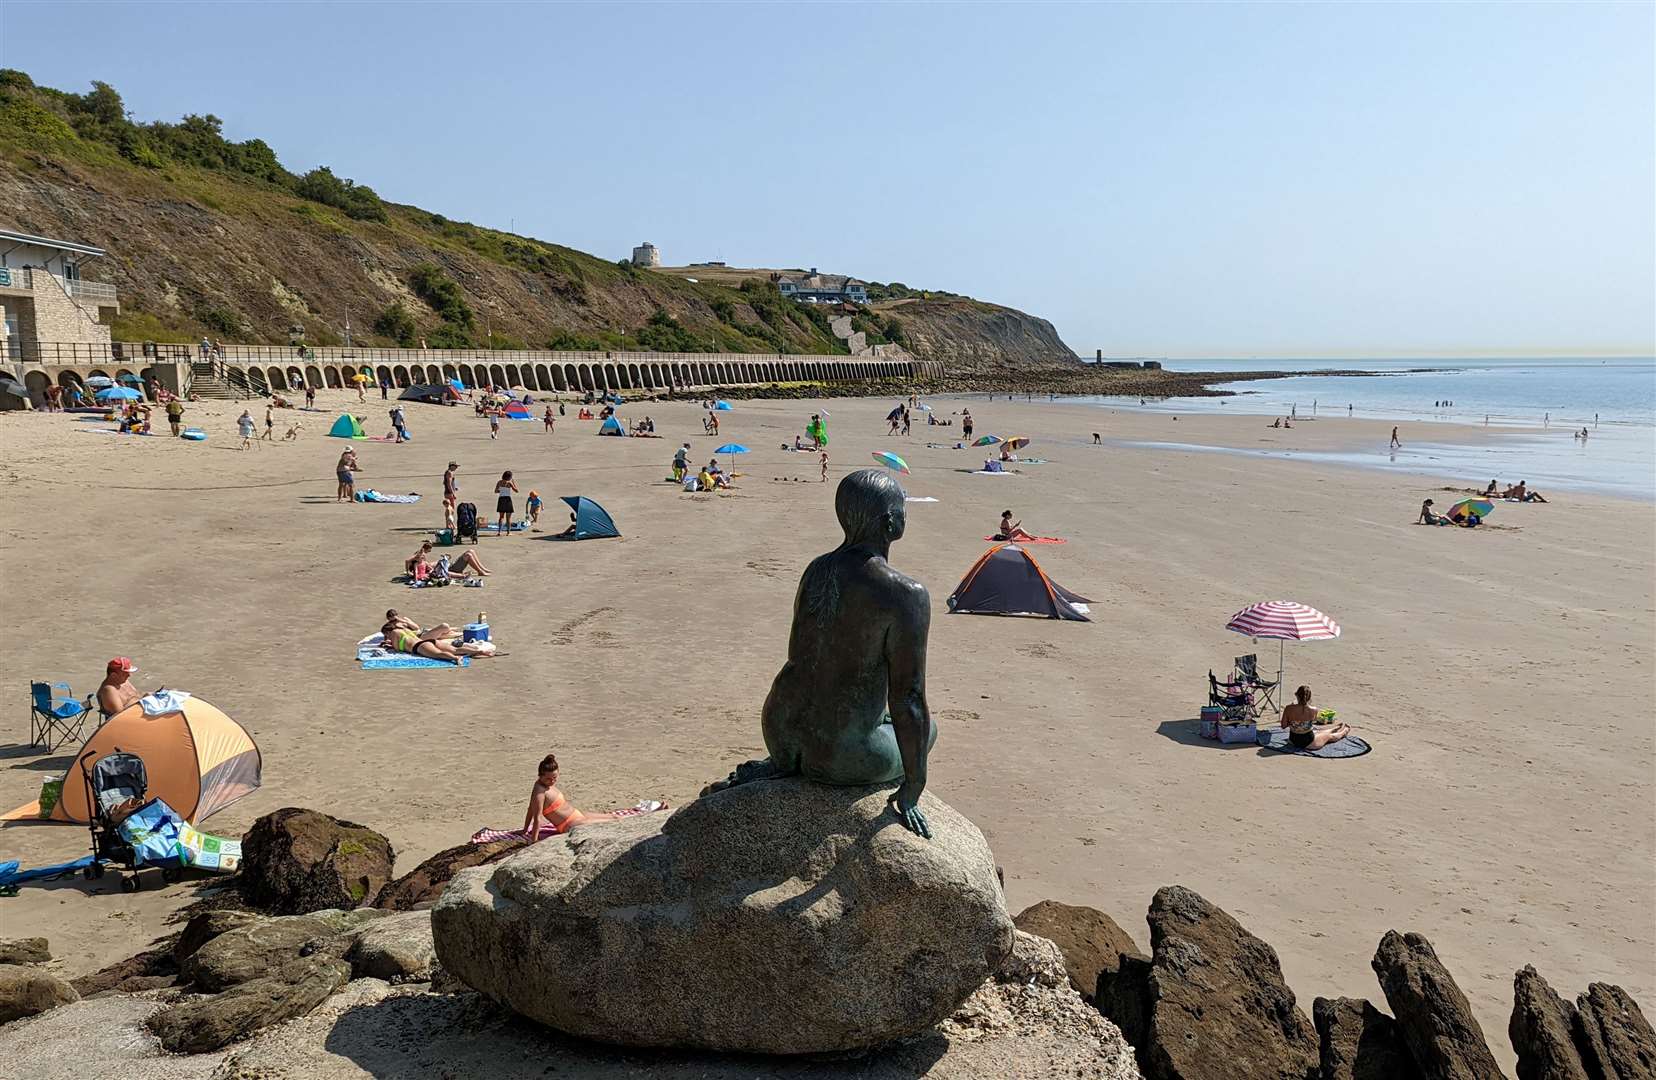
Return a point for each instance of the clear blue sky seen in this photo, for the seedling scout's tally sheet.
(1180, 180)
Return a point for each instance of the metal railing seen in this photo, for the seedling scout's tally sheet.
(12, 278)
(89, 290)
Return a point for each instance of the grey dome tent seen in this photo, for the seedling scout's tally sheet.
(1008, 581)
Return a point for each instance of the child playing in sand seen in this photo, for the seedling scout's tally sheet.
(533, 506)
(824, 460)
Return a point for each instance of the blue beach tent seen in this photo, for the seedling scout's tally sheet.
(722, 405)
(611, 426)
(591, 520)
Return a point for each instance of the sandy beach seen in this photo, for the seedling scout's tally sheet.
(1501, 674)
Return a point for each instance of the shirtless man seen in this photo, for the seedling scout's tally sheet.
(849, 706)
(344, 472)
(117, 692)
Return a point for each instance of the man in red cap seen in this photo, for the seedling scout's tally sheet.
(117, 691)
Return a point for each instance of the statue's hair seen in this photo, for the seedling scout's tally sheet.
(861, 503)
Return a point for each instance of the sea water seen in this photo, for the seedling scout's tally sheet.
(1531, 405)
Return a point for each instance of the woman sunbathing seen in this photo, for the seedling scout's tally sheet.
(549, 810)
(1301, 721)
(1009, 529)
(405, 636)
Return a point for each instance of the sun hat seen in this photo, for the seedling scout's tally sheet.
(122, 663)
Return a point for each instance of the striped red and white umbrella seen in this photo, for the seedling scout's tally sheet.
(1284, 620)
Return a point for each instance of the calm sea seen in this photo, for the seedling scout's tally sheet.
(1544, 399)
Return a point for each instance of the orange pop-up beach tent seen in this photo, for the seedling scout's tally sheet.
(199, 760)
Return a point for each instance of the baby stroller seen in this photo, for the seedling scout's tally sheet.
(465, 522)
(116, 785)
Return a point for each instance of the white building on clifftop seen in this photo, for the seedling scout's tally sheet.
(645, 254)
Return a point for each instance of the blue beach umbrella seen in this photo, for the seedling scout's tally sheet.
(131, 379)
(118, 393)
(732, 448)
(99, 380)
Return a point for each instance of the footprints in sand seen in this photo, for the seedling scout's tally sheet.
(958, 716)
(1040, 650)
(565, 634)
(770, 568)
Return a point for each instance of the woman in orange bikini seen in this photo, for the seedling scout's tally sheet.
(549, 810)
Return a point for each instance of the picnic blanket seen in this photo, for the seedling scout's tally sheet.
(1350, 746)
(11, 872)
(1028, 540)
(370, 495)
(494, 526)
(374, 656)
(489, 836)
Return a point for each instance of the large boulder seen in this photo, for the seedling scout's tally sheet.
(26, 990)
(1218, 1006)
(206, 925)
(1542, 1030)
(1033, 961)
(249, 952)
(1356, 1041)
(779, 917)
(292, 988)
(397, 948)
(29, 950)
(1123, 995)
(1090, 940)
(1437, 1024)
(1613, 1035)
(296, 861)
(421, 886)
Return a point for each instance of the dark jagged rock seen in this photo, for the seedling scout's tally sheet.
(1123, 995)
(291, 989)
(296, 861)
(1613, 1036)
(26, 990)
(29, 950)
(421, 886)
(146, 970)
(1437, 1023)
(1218, 1006)
(1542, 1030)
(1356, 1041)
(1090, 940)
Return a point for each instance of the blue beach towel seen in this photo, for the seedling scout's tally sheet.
(10, 874)
(375, 657)
(372, 496)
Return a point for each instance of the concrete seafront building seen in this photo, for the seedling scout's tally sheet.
(45, 297)
(256, 370)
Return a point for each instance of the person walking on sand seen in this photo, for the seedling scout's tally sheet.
(966, 423)
(451, 495)
(270, 423)
(503, 503)
(494, 424)
(362, 389)
(244, 424)
(1396, 443)
(547, 418)
(310, 397)
(345, 472)
(824, 460)
(175, 415)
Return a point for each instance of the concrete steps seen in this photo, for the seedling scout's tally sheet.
(207, 384)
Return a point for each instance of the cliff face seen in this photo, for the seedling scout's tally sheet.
(975, 340)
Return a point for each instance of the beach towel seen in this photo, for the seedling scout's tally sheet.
(163, 702)
(494, 526)
(374, 656)
(489, 836)
(919, 498)
(1028, 540)
(1350, 746)
(372, 496)
(12, 874)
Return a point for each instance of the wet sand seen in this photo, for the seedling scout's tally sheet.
(1502, 674)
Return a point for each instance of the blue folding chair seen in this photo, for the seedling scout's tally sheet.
(55, 714)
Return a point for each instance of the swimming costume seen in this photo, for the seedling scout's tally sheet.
(405, 640)
(1301, 739)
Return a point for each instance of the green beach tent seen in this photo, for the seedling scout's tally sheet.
(346, 427)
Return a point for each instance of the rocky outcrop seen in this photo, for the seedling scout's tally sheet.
(421, 886)
(1436, 1022)
(1033, 961)
(292, 988)
(1356, 1041)
(249, 952)
(147, 970)
(32, 950)
(778, 917)
(397, 948)
(26, 990)
(1615, 1039)
(1218, 1006)
(1090, 940)
(296, 861)
(976, 340)
(1542, 1030)
(207, 925)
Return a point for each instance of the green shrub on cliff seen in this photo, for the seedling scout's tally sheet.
(397, 324)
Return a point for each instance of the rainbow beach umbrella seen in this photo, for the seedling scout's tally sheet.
(891, 461)
(986, 440)
(1481, 507)
(1285, 621)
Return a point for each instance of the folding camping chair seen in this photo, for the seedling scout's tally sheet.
(1247, 672)
(61, 715)
(1235, 699)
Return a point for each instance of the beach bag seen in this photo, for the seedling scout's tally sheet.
(465, 521)
(1208, 725)
(1238, 733)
